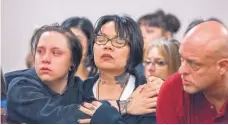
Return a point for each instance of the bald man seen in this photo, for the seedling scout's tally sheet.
(198, 93)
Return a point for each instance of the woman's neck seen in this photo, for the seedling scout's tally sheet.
(107, 77)
(58, 85)
(113, 77)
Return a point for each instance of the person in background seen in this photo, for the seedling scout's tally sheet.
(29, 60)
(155, 26)
(158, 25)
(3, 100)
(198, 93)
(83, 30)
(162, 58)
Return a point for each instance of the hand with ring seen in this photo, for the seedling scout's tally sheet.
(154, 83)
(89, 109)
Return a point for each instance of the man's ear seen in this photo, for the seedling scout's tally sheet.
(223, 66)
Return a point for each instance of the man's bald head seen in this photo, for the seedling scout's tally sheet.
(210, 37)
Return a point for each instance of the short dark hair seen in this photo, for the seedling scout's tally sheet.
(196, 22)
(73, 42)
(84, 24)
(126, 28)
(167, 22)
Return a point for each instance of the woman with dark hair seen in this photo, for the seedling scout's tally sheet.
(116, 50)
(158, 25)
(83, 30)
(51, 93)
(43, 94)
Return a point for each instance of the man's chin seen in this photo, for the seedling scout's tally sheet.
(190, 90)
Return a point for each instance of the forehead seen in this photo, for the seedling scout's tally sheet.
(109, 29)
(155, 52)
(192, 49)
(53, 39)
(150, 27)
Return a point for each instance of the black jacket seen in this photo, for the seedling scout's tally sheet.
(106, 114)
(29, 100)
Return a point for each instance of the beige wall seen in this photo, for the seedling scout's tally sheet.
(20, 17)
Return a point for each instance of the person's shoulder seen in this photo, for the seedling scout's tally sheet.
(173, 85)
(90, 81)
(24, 82)
(174, 81)
(24, 77)
(140, 78)
(21, 88)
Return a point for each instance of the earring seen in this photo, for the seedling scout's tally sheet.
(71, 68)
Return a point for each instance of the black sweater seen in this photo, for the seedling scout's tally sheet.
(107, 114)
(29, 100)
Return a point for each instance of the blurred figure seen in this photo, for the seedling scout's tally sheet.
(83, 30)
(3, 100)
(29, 60)
(158, 25)
(162, 58)
(3, 92)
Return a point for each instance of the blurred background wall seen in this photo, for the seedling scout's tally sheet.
(19, 18)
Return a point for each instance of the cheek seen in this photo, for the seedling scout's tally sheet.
(37, 60)
(122, 56)
(96, 52)
(163, 71)
(63, 61)
(156, 35)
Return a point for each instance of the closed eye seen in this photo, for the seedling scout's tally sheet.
(56, 53)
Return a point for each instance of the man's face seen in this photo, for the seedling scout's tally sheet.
(198, 68)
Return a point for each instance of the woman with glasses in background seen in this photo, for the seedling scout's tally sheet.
(162, 58)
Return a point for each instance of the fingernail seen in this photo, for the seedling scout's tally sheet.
(78, 121)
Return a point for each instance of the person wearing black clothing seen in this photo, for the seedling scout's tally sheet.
(49, 92)
(116, 50)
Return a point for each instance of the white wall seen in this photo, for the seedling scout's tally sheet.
(20, 17)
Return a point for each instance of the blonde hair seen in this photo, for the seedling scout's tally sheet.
(169, 49)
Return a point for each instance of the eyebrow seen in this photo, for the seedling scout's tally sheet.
(189, 60)
(54, 48)
(100, 33)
